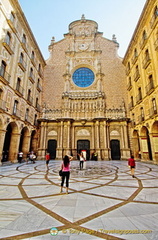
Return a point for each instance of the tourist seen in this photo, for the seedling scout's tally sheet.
(65, 167)
(131, 164)
(47, 158)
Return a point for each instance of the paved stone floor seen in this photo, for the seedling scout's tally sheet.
(104, 202)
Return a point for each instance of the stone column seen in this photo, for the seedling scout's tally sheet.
(2, 137)
(97, 137)
(43, 138)
(14, 147)
(59, 152)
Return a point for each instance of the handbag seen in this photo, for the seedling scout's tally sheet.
(60, 173)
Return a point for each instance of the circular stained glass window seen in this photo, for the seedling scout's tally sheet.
(83, 77)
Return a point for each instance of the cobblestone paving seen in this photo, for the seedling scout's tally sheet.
(104, 202)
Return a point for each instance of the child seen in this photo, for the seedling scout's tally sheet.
(131, 163)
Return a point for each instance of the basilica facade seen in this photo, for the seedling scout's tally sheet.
(84, 96)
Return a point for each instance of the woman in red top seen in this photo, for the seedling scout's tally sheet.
(131, 163)
(47, 160)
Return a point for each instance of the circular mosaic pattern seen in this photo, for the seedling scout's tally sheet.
(83, 77)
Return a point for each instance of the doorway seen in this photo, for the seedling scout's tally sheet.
(115, 149)
(84, 145)
(52, 145)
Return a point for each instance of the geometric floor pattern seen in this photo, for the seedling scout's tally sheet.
(104, 202)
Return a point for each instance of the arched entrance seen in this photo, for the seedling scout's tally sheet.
(115, 149)
(11, 143)
(84, 145)
(7, 143)
(155, 140)
(136, 144)
(145, 144)
(52, 145)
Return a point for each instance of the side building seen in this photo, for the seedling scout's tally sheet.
(21, 80)
(141, 61)
(85, 96)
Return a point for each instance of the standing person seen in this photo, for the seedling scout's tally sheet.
(20, 155)
(131, 163)
(65, 167)
(47, 157)
(81, 156)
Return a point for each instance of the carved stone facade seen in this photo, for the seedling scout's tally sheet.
(84, 96)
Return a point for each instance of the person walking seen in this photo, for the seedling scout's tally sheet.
(47, 157)
(20, 155)
(65, 167)
(131, 164)
(81, 156)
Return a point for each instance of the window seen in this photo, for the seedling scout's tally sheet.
(24, 39)
(21, 58)
(15, 108)
(135, 53)
(32, 55)
(31, 72)
(3, 68)
(8, 38)
(12, 17)
(18, 84)
(144, 35)
(83, 77)
(156, 12)
(140, 93)
(154, 104)
(27, 114)
(132, 102)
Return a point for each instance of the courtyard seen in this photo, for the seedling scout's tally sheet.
(104, 202)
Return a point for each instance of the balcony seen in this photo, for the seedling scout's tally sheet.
(4, 77)
(141, 118)
(16, 113)
(154, 20)
(8, 46)
(129, 86)
(40, 73)
(28, 118)
(150, 87)
(143, 42)
(130, 105)
(32, 77)
(38, 108)
(156, 45)
(153, 111)
(138, 98)
(22, 65)
(134, 59)
(30, 100)
(24, 46)
(11, 23)
(3, 106)
(146, 62)
(136, 76)
(19, 90)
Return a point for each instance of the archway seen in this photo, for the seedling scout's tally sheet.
(52, 145)
(145, 144)
(115, 149)
(155, 140)
(84, 145)
(11, 141)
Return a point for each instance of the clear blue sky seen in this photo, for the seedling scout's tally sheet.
(49, 18)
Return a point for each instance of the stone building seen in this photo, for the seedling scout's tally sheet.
(141, 61)
(84, 96)
(21, 80)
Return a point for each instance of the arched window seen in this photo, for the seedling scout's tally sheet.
(15, 108)
(32, 55)
(12, 17)
(3, 68)
(144, 35)
(18, 84)
(31, 72)
(156, 12)
(21, 58)
(8, 38)
(135, 53)
(24, 39)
